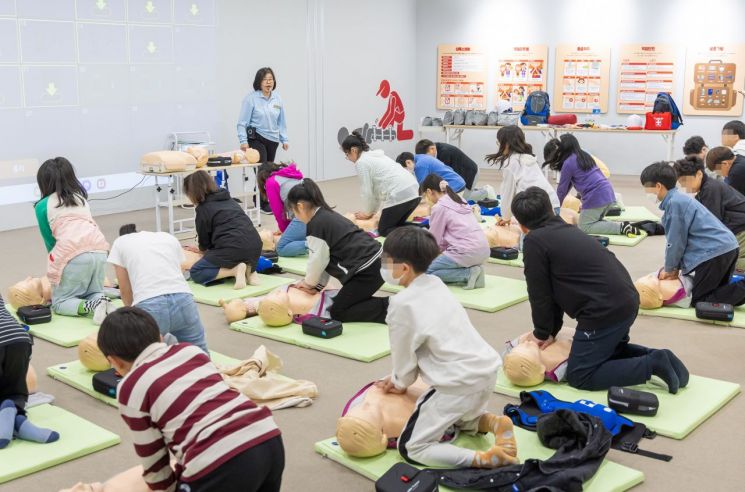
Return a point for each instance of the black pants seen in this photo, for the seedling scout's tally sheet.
(267, 148)
(396, 216)
(355, 301)
(711, 282)
(14, 360)
(603, 357)
(258, 469)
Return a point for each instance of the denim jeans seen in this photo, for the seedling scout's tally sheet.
(82, 280)
(177, 314)
(292, 242)
(449, 271)
(203, 272)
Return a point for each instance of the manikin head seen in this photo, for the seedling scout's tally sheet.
(522, 365)
(572, 203)
(360, 432)
(653, 292)
(91, 356)
(274, 308)
(30, 291)
(502, 236)
(268, 242)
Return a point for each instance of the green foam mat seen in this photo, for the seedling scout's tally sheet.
(689, 314)
(365, 342)
(211, 295)
(66, 331)
(513, 263)
(609, 477)
(634, 214)
(620, 240)
(678, 414)
(76, 375)
(294, 264)
(499, 293)
(78, 438)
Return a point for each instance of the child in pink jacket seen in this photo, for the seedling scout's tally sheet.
(462, 241)
(275, 181)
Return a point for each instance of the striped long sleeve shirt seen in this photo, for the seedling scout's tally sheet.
(173, 399)
(11, 330)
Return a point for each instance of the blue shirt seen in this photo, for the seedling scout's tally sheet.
(694, 235)
(266, 114)
(425, 164)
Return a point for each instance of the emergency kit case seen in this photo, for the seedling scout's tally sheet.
(715, 311)
(634, 402)
(105, 382)
(217, 160)
(35, 315)
(322, 327)
(714, 86)
(403, 477)
(604, 240)
(488, 203)
(504, 253)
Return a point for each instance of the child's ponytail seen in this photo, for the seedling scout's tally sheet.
(435, 183)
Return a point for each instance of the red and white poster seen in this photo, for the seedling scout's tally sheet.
(461, 77)
(520, 71)
(581, 79)
(645, 71)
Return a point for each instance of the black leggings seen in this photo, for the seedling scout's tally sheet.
(14, 360)
(267, 148)
(396, 216)
(355, 301)
(711, 282)
(258, 469)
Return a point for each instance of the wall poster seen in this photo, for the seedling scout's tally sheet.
(461, 77)
(645, 70)
(520, 71)
(581, 79)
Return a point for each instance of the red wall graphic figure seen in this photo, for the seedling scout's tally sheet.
(394, 113)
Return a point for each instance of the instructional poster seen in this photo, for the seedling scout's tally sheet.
(645, 71)
(461, 77)
(520, 71)
(714, 74)
(581, 79)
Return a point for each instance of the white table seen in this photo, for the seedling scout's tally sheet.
(169, 180)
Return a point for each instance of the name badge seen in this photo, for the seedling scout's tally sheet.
(277, 106)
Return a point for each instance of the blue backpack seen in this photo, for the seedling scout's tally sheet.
(537, 109)
(665, 104)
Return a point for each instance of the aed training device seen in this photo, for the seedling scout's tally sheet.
(715, 311)
(322, 327)
(105, 382)
(34, 315)
(634, 402)
(219, 161)
(714, 86)
(488, 203)
(504, 253)
(604, 240)
(403, 477)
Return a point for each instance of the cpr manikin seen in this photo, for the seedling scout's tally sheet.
(508, 235)
(372, 421)
(30, 291)
(367, 225)
(655, 293)
(268, 240)
(525, 364)
(280, 306)
(91, 356)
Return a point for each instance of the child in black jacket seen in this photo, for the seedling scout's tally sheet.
(569, 272)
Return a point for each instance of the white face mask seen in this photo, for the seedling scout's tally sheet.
(652, 197)
(388, 277)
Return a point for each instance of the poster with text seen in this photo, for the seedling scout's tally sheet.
(520, 71)
(645, 71)
(461, 77)
(581, 79)
(714, 74)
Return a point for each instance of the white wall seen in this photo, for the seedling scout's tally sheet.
(493, 23)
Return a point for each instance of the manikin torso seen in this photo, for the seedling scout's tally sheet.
(553, 355)
(655, 293)
(297, 301)
(388, 411)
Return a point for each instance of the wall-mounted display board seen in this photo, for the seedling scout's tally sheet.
(461, 77)
(520, 71)
(582, 78)
(645, 71)
(714, 74)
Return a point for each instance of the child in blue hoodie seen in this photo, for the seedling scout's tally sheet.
(422, 165)
(696, 240)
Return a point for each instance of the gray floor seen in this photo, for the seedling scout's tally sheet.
(710, 458)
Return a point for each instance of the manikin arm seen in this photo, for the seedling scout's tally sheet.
(125, 287)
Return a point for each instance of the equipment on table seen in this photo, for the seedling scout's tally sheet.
(35, 315)
(537, 109)
(664, 103)
(634, 402)
(505, 254)
(105, 382)
(562, 119)
(714, 86)
(322, 327)
(476, 118)
(447, 118)
(402, 477)
(436, 121)
(715, 311)
(492, 119)
(217, 161)
(634, 122)
(658, 121)
(427, 121)
(167, 161)
(507, 118)
(604, 240)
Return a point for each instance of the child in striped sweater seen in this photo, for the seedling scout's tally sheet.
(173, 398)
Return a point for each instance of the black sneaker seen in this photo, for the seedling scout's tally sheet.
(629, 230)
(266, 209)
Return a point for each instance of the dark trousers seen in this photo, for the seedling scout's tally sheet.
(711, 282)
(396, 216)
(267, 148)
(258, 469)
(14, 360)
(355, 301)
(603, 357)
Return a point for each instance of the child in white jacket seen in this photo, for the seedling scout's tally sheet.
(432, 337)
(520, 170)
